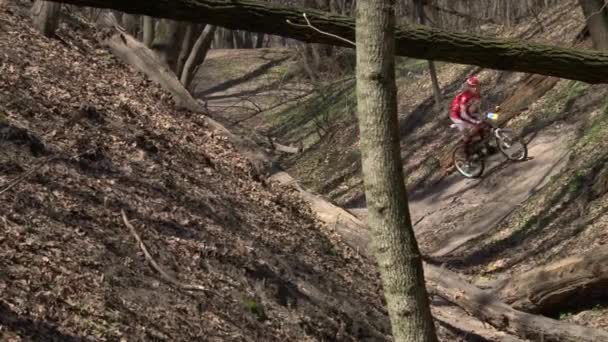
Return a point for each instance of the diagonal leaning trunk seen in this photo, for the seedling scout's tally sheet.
(197, 55)
(393, 241)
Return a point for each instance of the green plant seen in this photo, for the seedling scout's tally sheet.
(253, 306)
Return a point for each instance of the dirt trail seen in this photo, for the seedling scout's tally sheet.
(448, 214)
(456, 210)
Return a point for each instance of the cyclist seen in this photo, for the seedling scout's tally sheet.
(464, 111)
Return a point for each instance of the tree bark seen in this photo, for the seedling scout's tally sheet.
(259, 41)
(198, 54)
(597, 21)
(148, 31)
(558, 285)
(412, 40)
(394, 244)
(168, 36)
(489, 309)
(190, 35)
(130, 23)
(45, 16)
(136, 54)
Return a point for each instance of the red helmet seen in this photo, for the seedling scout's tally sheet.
(472, 81)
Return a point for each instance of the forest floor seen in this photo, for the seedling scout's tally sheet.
(84, 137)
(517, 217)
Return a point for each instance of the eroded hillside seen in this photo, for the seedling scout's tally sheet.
(84, 137)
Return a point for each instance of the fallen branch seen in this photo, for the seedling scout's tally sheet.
(308, 24)
(488, 308)
(155, 266)
(282, 148)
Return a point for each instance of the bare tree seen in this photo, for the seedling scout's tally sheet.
(190, 35)
(197, 55)
(148, 28)
(420, 17)
(393, 240)
(45, 16)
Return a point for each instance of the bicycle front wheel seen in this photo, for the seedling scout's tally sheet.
(511, 147)
(468, 166)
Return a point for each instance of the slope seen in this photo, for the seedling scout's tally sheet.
(82, 138)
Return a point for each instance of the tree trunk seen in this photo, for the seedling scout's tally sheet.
(420, 18)
(168, 36)
(136, 54)
(45, 16)
(248, 40)
(412, 40)
(489, 309)
(223, 39)
(148, 31)
(259, 41)
(597, 21)
(198, 54)
(394, 244)
(559, 285)
(130, 23)
(435, 82)
(190, 35)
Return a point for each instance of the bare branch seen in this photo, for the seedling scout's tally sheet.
(155, 266)
(308, 24)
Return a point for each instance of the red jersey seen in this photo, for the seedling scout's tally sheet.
(465, 98)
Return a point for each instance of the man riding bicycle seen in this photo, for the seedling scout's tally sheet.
(464, 111)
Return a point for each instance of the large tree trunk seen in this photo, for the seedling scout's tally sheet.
(130, 23)
(197, 54)
(45, 16)
(420, 17)
(559, 285)
(597, 21)
(136, 54)
(394, 244)
(412, 40)
(168, 36)
(148, 28)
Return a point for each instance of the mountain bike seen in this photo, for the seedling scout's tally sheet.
(471, 163)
